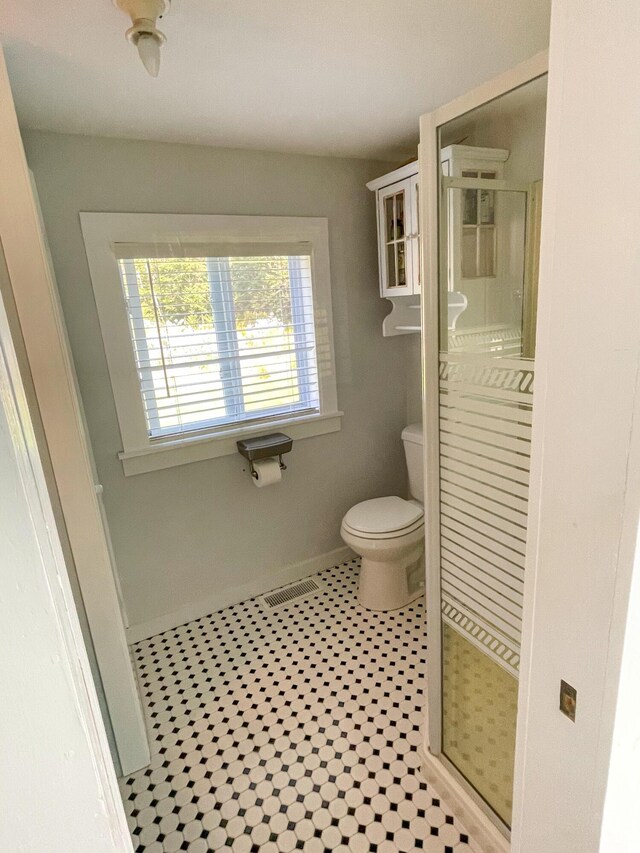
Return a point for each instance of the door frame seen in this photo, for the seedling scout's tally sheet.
(85, 748)
(429, 170)
(51, 368)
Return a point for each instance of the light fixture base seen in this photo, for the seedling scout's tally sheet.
(143, 33)
(151, 10)
(144, 27)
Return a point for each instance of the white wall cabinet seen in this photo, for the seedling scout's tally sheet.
(473, 232)
(397, 197)
(475, 253)
(398, 231)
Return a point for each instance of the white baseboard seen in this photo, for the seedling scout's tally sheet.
(265, 583)
(484, 836)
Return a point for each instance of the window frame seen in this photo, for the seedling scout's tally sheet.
(101, 231)
(216, 254)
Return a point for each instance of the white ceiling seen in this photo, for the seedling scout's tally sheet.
(314, 76)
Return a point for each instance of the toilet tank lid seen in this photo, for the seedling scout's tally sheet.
(413, 433)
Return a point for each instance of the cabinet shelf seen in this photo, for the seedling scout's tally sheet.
(402, 318)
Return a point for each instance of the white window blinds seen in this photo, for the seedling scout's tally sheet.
(221, 335)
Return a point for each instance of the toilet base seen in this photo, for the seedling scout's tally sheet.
(390, 585)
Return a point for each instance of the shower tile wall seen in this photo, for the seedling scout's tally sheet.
(292, 730)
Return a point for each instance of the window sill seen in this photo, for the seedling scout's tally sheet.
(182, 451)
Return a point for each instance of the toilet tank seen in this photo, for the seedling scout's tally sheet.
(412, 439)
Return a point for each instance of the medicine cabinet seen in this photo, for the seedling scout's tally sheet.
(397, 199)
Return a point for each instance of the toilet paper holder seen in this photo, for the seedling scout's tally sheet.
(274, 444)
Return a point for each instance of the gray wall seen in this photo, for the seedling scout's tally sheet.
(199, 530)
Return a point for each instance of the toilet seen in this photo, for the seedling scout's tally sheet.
(388, 534)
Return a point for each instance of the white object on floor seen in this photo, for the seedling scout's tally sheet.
(388, 533)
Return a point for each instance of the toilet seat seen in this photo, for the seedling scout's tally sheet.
(383, 518)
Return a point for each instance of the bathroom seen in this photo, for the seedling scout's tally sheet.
(194, 543)
(176, 562)
(276, 533)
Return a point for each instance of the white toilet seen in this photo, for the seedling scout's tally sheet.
(388, 533)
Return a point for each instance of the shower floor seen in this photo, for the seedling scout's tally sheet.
(291, 730)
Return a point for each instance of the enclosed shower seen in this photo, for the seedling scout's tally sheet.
(489, 165)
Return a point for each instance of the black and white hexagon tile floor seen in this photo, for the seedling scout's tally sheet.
(291, 730)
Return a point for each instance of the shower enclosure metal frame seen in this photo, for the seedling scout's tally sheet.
(430, 245)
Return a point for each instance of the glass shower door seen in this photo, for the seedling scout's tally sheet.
(485, 397)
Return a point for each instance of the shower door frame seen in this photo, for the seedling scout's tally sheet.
(430, 246)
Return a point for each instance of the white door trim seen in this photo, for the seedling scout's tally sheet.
(107, 823)
(54, 382)
(582, 609)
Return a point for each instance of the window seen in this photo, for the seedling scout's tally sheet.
(210, 340)
(221, 339)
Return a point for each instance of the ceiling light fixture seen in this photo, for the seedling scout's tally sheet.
(143, 33)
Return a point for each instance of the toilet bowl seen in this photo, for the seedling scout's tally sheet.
(388, 534)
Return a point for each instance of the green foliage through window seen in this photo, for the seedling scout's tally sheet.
(260, 290)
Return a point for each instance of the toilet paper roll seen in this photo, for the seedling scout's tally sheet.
(268, 471)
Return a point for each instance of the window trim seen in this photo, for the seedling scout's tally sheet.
(101, 231)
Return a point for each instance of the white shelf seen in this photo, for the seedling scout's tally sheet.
(402, 318)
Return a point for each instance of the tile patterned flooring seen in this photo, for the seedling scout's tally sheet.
(291, 730)
(480, 707)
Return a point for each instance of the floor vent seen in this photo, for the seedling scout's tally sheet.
(284, 596)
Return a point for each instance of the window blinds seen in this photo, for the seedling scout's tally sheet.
(221, 335)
